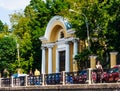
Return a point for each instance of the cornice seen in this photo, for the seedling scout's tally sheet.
(42, 38)
(48, 45)
(70, 31)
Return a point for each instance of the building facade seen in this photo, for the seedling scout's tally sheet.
(59, 46)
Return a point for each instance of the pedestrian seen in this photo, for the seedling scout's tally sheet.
(30, 73)
(5, 73)
(37, 72)
(99, 71)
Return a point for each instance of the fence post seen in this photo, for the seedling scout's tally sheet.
(113, 58)
(89, 76)
(43, 79)
(26, 81)
(63, 73)
(11, 81)
(0, 82)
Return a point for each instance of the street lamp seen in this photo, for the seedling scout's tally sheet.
(19, 70)
(18, 54)
(86, 22)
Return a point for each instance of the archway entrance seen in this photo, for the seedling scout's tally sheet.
(62, 60)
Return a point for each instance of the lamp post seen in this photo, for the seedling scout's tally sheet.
(86, 22)
(18, 54)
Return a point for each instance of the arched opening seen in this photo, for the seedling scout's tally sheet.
(61, 35)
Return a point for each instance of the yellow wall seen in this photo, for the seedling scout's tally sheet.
(54, 59)
(46, 60)
(93, 61)
(54, 34)
(113, 56)
(56, 27)
(71, 57)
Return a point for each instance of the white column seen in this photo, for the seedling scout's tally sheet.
(75, 50)
(43, 61)
(26, 81)
(11, 81)
(57, 61)
(67, 58)
(49, 59)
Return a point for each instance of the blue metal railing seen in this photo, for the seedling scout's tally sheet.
(19, 81)
(78, 77)
(54, 78)
(34, 80)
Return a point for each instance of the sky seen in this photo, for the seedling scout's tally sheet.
(8, 7)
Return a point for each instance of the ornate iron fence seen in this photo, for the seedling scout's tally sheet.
(54, 78)
(76, 77)
(19, 81)
(34, 80)
(87, 76)
(5, 82)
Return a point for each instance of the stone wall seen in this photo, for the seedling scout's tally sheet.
(79, 87)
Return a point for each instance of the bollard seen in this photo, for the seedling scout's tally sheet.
(26, 80)
(0, 82)
(43, 79)
(11, 81)
(63, 73)
(89, 76)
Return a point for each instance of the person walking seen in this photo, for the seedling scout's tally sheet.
(99, 71)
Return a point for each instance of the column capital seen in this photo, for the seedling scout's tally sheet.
(67, 42)
(92, 56)
(60, 41)
(43, 47)
(47, 45)
(69, 39)
(75, 40)
(50, 45)
(115, 53)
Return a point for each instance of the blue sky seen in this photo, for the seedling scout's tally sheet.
(8, 7)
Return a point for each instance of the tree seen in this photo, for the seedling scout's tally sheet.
(40, 13)
(7, 53)
(21, 31)
(29, 25)
(113, 27)
(1, 26)
(103, 18)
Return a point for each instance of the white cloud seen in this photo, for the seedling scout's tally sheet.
(10, 6)
(14, 4)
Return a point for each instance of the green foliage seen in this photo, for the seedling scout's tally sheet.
(1, 26)
(22, 34)
(103, 25)
(7, 52)
(103, 19)
(84, 55)
(83, 58)
(40, 13)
